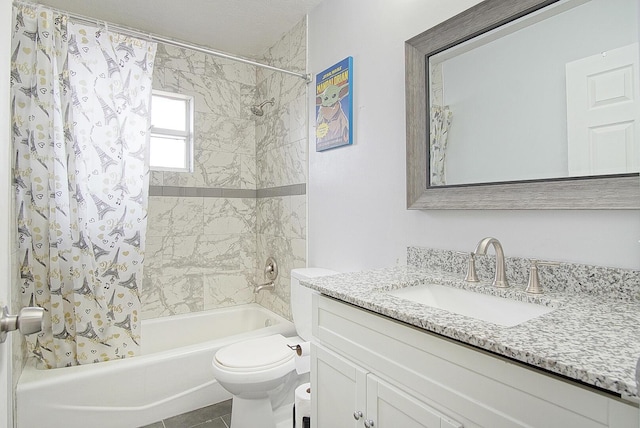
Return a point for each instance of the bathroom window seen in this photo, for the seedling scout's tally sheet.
(171, 143)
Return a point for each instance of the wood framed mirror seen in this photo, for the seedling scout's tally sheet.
(604, 191)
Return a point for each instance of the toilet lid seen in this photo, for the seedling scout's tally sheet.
(255, 353)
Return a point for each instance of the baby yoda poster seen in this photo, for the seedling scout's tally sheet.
(334, 106)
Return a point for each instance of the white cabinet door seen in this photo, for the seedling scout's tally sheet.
(346, 395)
(338, 388)
(390, 407)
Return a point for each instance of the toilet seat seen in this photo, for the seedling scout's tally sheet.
(252, 355)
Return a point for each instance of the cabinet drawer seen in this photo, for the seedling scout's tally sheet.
(472, 386)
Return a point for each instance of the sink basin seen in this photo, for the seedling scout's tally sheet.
(497, 310)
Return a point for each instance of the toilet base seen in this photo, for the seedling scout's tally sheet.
(252, 413)
(282, 417)
(267, 410)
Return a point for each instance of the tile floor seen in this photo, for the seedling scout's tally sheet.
(215, 416)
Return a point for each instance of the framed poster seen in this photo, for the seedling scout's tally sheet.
(334, 106)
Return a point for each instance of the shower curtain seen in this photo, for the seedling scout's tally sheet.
(80, 98)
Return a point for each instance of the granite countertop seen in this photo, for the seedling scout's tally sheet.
(592, 339)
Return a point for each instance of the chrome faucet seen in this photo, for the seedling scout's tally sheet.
(500, 279)
(266, 286)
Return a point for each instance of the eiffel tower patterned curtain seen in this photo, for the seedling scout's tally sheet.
(440, 125)
(80, 98)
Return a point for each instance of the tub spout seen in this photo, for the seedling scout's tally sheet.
(266, 286)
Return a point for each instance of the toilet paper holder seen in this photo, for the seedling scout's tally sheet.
(296, 348)
(302, 360)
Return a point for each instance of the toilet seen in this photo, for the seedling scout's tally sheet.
(260, 373)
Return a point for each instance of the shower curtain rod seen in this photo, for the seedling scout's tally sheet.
(168, 41)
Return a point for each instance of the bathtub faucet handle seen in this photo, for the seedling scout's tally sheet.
(270, 273)
(271, 269)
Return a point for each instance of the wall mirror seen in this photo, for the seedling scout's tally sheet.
(526, 104)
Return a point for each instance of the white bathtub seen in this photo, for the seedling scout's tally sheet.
(172, 376)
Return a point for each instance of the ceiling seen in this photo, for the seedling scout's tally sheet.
(241, 27)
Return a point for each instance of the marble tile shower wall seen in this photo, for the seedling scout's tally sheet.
(200, 251)
(207, 252)
(225, 149)
(281, 150)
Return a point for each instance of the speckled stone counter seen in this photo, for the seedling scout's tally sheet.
(593, 338)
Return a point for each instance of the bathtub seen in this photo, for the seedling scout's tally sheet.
(171, 376)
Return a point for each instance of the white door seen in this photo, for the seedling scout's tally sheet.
(603, 113)
(6, 384)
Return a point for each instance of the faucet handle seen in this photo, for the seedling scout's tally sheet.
(471, 275)
(534, 287)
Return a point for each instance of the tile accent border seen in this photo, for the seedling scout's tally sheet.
(622, 284)
(290, 190)
(205, 192)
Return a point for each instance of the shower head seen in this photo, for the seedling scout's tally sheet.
(258, 110)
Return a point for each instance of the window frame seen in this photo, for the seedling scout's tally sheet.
(188, 135)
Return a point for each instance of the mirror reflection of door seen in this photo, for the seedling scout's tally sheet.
(603, 113)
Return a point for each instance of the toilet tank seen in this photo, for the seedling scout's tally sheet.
(301, 298)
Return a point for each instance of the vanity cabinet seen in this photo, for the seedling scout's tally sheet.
(400, 376)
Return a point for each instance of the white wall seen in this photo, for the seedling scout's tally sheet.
(357, 215)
